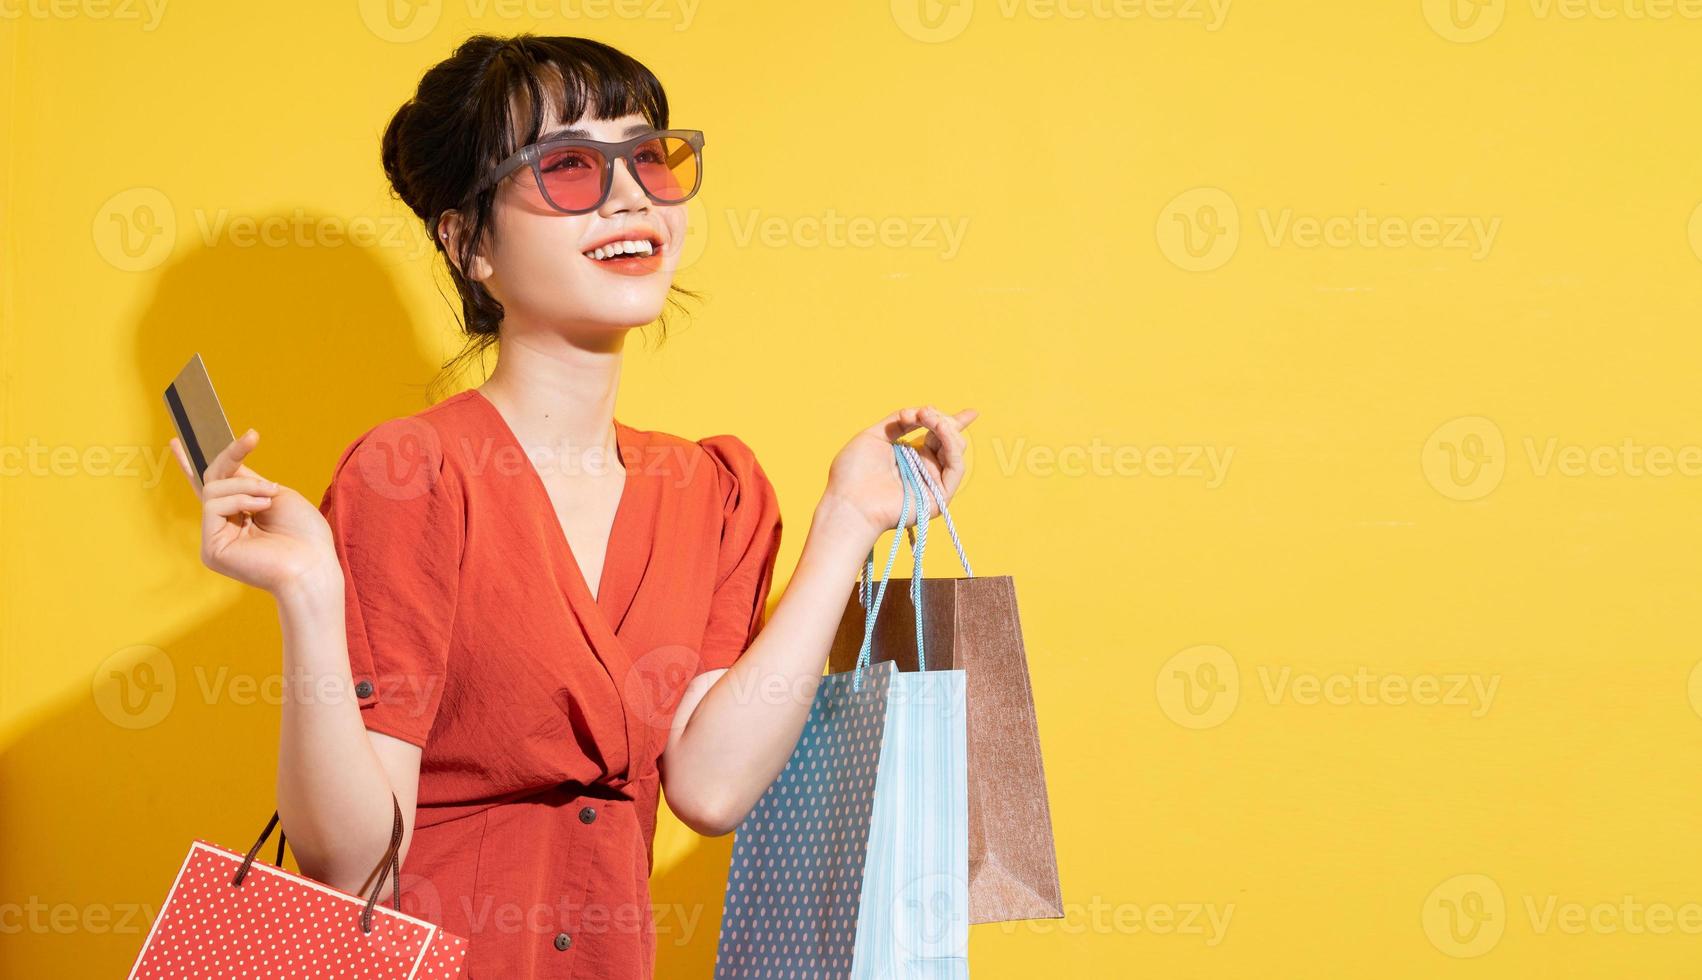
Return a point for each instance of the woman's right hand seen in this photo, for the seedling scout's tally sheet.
(864, 476)
(286, 541)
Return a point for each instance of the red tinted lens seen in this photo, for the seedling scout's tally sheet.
(668, 168)
(573, 176)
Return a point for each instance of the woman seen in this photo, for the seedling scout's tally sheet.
(518, 615)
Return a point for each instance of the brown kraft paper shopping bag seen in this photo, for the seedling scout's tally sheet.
(971, 624)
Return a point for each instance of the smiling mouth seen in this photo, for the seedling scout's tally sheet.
(616, 252)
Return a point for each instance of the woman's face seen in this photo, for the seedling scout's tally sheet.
(539, 262)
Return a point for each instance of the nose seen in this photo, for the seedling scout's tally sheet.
(625, 193)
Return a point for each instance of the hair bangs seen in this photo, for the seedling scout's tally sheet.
(564, 79)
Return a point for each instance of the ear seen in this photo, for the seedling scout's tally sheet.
(450, 229)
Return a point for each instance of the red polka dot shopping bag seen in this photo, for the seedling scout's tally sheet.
(230, 916)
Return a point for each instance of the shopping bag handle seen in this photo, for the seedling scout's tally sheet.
(872, 602)
(388, 866)
(940, 502)
(910, 473)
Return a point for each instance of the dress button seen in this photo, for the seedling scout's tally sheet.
(563, 941)
(363, 689)
(587, 814)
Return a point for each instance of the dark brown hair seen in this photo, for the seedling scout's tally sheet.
(478, 106)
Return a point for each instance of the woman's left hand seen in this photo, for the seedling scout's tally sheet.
(864, 476)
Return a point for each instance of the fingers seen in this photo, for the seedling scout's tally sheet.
(252, 485)
(237, 503)
(227, 498)
(188, 469)
(899, 424)
(946, 443)
(228, 462)
(891, 427)
(943, 448)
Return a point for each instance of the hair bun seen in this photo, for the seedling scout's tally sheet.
(390, 153)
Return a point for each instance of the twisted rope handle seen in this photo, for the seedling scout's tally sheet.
(940, 502)
(910, 469)
(388, 866)
(870, 597)
(863, 580)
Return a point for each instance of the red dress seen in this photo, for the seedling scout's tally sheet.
(541, 711)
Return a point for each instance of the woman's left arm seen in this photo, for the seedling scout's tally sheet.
(735, 728)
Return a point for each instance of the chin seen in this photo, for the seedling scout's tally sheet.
(625, 316)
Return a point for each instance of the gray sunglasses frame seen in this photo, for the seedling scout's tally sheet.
(614, 153)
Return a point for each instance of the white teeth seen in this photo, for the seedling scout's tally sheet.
(630, 247)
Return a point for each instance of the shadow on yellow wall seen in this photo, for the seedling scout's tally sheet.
(311, 346)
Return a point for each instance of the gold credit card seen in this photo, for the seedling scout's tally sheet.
(195, 412)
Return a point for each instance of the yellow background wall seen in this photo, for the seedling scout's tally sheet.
(1400, 685)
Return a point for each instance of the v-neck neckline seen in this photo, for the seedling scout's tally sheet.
(609, 602)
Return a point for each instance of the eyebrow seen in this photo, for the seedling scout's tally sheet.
(585, 134)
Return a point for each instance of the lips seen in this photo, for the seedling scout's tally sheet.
(622, 250)
(646, 259)
(632, 265)
(633, 241)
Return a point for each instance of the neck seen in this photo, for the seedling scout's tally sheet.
(560, 401)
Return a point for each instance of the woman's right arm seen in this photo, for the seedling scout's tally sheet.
(335, 777)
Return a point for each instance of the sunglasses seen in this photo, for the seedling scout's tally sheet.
(574, 175)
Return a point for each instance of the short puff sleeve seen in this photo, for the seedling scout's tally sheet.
(398, 521)
(750, 545)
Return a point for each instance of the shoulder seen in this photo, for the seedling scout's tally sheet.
(407, 457)
(741, 476)
(722, 464)
(731, 455)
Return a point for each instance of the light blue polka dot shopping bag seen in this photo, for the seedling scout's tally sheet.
(971, 623)
(855, 862)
